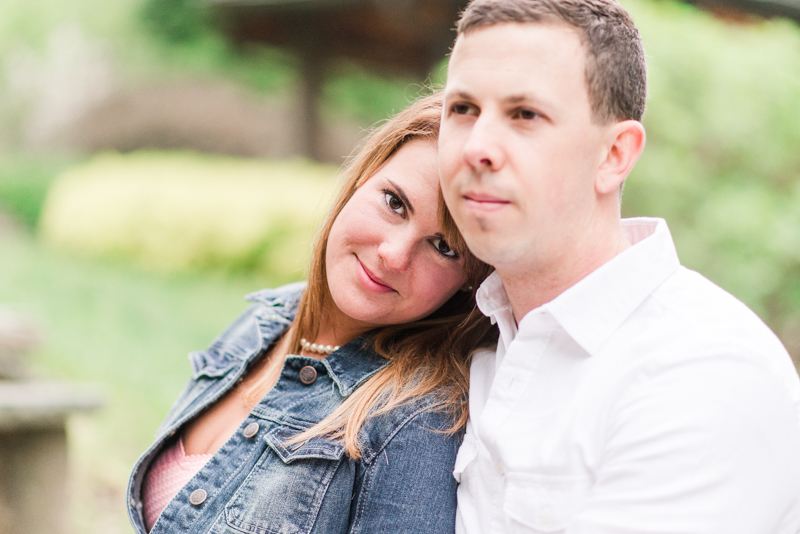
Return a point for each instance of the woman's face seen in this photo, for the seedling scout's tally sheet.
(387, 261)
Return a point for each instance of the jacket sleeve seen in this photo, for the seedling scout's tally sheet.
(408, 485)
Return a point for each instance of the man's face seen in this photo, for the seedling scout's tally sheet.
(518, 150)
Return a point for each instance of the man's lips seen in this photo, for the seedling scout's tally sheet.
(370, 280)
(484, 201)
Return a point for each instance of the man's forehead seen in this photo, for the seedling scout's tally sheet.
(520, 57)
(552, 29)
(553, 45)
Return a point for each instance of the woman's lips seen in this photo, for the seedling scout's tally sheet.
(370, 281)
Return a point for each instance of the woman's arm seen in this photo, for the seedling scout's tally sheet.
(408, 486)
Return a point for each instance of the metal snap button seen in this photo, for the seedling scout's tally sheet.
(250, 430)
(198, 497)
(307, 375)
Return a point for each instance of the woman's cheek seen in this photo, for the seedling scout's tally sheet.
(441, 282)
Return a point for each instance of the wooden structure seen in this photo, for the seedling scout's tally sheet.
(390, 36)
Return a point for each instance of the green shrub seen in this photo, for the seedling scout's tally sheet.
(178, 212)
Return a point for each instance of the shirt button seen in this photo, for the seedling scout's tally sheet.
(307, 375)
(498, 466)
(133, 502)
(545, 514)
(198, 497)
(250, 430)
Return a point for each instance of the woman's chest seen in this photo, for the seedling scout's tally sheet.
(255, 483)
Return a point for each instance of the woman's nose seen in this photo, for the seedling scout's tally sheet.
(397, 252)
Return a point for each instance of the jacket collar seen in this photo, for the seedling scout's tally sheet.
(282, 301)
(353, 364)
(349, 367)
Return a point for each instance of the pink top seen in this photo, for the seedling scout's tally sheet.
(170, 472)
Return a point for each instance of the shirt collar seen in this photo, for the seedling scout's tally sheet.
(592, 310)
(492, 301)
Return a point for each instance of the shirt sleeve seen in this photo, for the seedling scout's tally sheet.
(707, 446)
(409, 486)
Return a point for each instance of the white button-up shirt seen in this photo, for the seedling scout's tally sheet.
(644, 399)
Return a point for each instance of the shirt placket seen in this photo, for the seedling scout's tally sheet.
(514, 373)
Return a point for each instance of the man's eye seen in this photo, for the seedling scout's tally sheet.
(443, 248)
(526, 114)
(394, 203)
(462, 109)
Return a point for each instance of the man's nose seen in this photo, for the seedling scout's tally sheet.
(483, 149)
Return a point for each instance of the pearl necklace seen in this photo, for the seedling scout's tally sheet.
(319, 349)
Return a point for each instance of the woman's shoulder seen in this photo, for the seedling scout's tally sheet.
(270, 311)
(423, 423)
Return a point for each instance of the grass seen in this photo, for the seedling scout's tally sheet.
(24, 182)
(125, 333)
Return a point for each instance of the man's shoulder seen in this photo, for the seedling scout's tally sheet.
(693, 323)
(707, 313)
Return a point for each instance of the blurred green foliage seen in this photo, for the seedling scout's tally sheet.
(353, 91)
(24, 182)
(176, 21)
(174, 212)
(722, 161)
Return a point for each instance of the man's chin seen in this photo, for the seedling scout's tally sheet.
(491, 248)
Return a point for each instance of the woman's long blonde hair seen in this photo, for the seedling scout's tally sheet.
(428, 356)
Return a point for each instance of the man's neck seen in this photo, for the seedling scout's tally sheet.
(537, 283)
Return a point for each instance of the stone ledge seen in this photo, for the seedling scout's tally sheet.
(29, 405)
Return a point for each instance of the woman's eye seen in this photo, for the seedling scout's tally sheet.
(394, 203)
(443, 248)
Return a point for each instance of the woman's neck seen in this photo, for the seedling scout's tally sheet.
(336, 328)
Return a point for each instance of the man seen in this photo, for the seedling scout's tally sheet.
(627, 394)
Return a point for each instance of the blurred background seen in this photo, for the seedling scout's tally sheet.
(160, 159)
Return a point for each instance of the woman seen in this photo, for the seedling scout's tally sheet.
(335, 407)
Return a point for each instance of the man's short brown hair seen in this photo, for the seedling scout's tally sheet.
(616, 75)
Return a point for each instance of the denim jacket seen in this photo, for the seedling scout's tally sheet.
(254, 484)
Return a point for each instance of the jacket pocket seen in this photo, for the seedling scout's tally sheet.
(539, 503)
(284, 491)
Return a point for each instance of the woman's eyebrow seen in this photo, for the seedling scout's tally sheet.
(402, 195)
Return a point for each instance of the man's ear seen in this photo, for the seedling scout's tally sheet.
(625, 144)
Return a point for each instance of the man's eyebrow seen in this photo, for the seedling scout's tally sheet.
(402, 196)
(521, 97)
(458, 94)
(510, 99)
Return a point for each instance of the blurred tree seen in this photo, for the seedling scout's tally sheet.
(176, 21)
